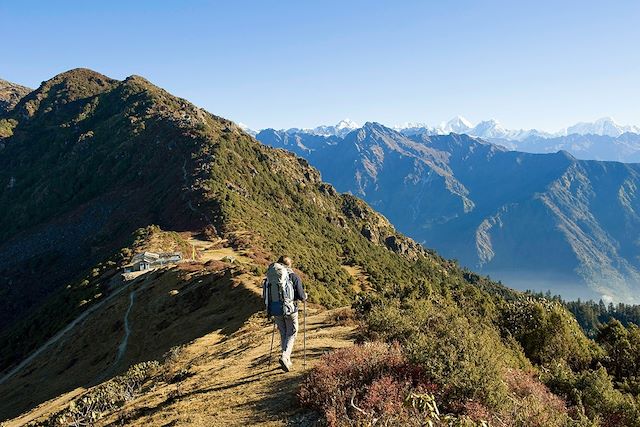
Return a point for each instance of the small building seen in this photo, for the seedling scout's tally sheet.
(150, 260)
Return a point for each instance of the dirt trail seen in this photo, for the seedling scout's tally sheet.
(62, 333)
(226, 380)
(231, 382)
(122, 348)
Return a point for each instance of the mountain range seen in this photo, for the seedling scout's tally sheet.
(537, 221)
(603, 139)
(488, 129)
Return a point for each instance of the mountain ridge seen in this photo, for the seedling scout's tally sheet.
(458, 193)
(90, 160)
(603, 139)
(122, 155)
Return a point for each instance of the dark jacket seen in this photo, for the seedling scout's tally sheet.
(298, 290)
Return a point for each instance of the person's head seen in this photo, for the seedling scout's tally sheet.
(285, 260)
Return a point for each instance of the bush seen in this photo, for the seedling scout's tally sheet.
(622, 348)
(363, 382)
(548, 333)
(464, 357)
(533, 404)
(593, 396)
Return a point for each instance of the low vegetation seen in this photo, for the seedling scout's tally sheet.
(370, 383)
(87, 409)
(522, 361)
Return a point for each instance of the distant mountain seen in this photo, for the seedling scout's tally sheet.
(622, 148)
(603, 139)
(489, 129)
(341, 129)
(605, 126)
(537, 221)
(247, 129)
(10, 94)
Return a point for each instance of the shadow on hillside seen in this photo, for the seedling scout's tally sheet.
(279, 403)
(169, 308)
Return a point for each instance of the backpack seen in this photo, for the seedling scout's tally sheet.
(278, 291)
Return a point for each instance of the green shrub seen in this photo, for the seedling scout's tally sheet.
(622, 348)
(593, 395)
(461, 355)
(547, 333)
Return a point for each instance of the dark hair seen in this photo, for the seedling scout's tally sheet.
(284, 260)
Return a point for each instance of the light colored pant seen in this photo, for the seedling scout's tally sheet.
(288, 327)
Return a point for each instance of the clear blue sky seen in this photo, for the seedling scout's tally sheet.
(543, 64)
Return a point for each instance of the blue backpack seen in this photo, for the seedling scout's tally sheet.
(277, 291)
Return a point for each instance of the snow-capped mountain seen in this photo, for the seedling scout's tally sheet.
(603, 139)
(458, 125)
(492, 129)
(605, 126)
(341, 129)
(488, 129)
(247, 129)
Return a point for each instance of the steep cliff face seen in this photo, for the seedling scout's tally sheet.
(539, 221)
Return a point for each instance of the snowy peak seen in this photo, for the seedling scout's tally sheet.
(347, 124)
(456, 125)
(605, 126)
(491, 130)
(247, 129)
(342, 128)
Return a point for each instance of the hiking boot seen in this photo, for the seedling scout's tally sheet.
(284, 365)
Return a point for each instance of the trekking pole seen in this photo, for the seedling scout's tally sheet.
(304, 337)
(273, 333)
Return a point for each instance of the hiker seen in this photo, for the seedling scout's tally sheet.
(281, 290)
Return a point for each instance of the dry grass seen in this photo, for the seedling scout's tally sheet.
(231, 382)
(362, 283)
(221, 378)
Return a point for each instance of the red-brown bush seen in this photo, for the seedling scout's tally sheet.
(362, 382)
